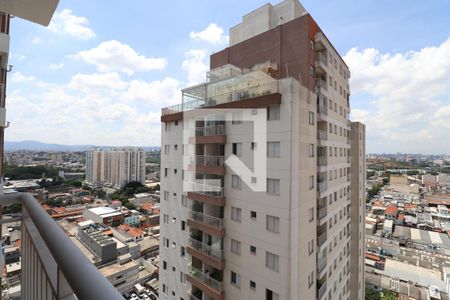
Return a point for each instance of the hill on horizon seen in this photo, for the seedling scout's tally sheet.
(40, 146)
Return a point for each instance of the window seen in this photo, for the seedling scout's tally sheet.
(184, 200)
(310, 279)
(166, 171)
(235, 279)
(273, 112)
(236, 247)
(236, 182)
(166, 242)
(311, 118)
(273, 186)
(183, 225)
(176, 147)
(175, 171)
(253, 214)
(237, 149)
(272, 261)
(311, 214)
(252, 249)
(182, 251)
(311, 247)
(164, 265)
(164, 287)
(311, 150)
(273, 224)
(166, 149)
(236, 214)
(166, 219)
(270, 295)
(252, 285)
(273, 149)
(311, 182)
(252, 145)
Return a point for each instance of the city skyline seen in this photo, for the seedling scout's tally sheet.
(59, 80)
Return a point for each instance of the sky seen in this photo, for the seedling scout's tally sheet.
(102, 71)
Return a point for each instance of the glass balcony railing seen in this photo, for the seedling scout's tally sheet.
(232, 94)
(321, 263)
(207, 280)
(210, 160)
(322, 160)
(206, 219)
(206, 189)
(206, 249)
(210, 130)
(51, 263)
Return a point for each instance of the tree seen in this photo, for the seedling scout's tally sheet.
(372, 294)
(388, 295)
(133, 184)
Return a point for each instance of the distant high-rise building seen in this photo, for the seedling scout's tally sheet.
(115, 167)
(221, 239)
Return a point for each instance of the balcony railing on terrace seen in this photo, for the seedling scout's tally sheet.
(266, 88)
(52, 265)
(204, 248)
(206, 219)
(210, 130)
(210, 160)
(206, 189)
(206, 279)
(322, 186)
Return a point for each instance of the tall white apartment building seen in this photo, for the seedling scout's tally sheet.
(115, 167)
(301, 236)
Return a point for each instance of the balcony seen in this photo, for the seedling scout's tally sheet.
(322, 135)
(195, 297)
(321, 84)
(237, 92)
(322, 161)
(322, 238)
(321, 264)
(321, 41)
(321, 63)
(51, 262)
(321, 212)
(321, 289)
(206, 253)
(206, 193)
(322, 186)
(219, 99)
(207, 283)
(210, 135)
(210, 164)
(206, 223)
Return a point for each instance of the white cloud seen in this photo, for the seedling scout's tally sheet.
(195, 65)
(212, 34)
(17, 56)
(93, 83)
(113, 56)
(164, 92)
(65, 22)
(56, 66)
(37, 40)
(19, 77)
(403, 97)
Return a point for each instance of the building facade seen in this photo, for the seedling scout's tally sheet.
(115, 167)
(220, 237)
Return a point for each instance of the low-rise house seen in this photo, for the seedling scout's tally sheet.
(391, 212)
